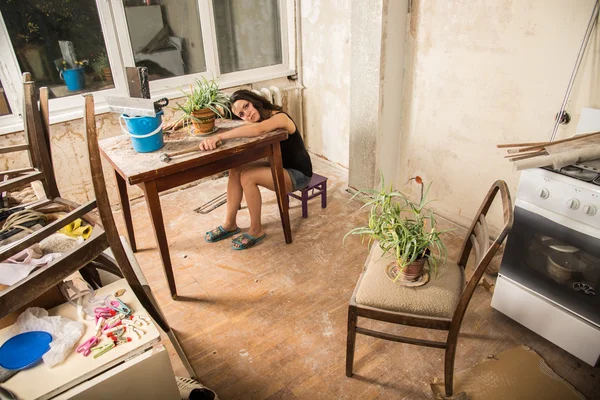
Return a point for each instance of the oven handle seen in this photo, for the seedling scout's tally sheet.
(559, 219)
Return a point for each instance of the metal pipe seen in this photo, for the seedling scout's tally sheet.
(586, 39)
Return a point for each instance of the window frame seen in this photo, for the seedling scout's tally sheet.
(120, 53)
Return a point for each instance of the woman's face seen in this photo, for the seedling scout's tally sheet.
(246, 111)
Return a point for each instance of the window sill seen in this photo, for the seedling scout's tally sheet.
(14, 123)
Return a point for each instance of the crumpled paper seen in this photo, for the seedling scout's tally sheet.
(65, 332)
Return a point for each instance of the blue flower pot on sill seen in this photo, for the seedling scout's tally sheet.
(74, 78)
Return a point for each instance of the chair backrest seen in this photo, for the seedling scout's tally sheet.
(478, 239)
(37, 145)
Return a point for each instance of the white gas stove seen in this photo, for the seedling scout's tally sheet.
(550, 270)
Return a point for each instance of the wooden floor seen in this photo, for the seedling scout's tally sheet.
(270, 322)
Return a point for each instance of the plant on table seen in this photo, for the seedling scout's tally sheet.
(102, 67)
(404, 229)
(203, 104)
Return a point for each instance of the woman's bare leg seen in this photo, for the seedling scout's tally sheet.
(234, 199)
(250, 180)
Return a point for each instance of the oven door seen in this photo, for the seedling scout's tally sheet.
(557, 262)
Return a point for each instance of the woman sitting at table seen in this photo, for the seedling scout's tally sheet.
(261, 116)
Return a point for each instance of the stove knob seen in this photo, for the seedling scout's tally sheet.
(573, 203)
(543, 193)
(589, 210)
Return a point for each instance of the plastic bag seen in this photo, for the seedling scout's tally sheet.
(65, 332)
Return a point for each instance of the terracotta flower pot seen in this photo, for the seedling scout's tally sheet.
(107, 75)
(410, 273)
(204, 122)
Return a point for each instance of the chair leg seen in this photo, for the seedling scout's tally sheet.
(351, 341)
(181, 354)
(304, 203)
(324, 195)
(449, 367)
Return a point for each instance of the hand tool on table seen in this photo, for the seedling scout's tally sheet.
(166, 157)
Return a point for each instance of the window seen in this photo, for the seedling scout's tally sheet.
(60, 43)
(78, 46)
(166, 37)
(248, 34)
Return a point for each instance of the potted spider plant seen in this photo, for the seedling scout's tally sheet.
(102, 67)
(403, 229)
(202, 106)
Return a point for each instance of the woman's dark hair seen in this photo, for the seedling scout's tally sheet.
(262, 105)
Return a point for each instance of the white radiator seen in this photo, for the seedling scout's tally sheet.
(273, 94)
(289, 99)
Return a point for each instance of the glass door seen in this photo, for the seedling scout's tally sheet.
(554, 261)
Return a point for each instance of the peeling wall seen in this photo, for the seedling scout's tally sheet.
(325, 71)
(482, 73)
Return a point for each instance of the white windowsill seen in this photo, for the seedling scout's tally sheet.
(13, 123)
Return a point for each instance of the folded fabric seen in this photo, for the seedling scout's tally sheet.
(59, 243)
(19, 266)
(75, 229)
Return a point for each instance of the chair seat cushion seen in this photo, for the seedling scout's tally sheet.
(437, 298)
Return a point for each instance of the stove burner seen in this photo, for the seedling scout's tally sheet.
(578, 173)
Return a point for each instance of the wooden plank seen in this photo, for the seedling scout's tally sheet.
(39, 148)
(17, 171)
(45, 117)
(48, 230)
(509, 145)
(20, 181)
(142, 292)
(567, 140)
(11, 149)
(50, 275)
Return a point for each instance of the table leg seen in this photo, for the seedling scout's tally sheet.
(153, 203)
(277, 171)
(124, 199)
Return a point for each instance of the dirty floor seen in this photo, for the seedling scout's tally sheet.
(270, 322)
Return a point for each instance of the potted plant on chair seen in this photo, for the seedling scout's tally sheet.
(405, 230)
(203, 104)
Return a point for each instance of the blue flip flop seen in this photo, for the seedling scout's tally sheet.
(220, 235)
(251, 241)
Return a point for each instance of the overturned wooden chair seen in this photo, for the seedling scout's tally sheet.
(440, 304)
(79, 258)
(121, 249)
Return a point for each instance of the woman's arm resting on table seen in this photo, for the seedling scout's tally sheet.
(278, 121)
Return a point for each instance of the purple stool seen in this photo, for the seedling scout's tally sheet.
(317, 186)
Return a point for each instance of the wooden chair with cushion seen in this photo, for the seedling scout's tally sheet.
(440, 304)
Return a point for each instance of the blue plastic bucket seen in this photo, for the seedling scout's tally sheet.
(145, 132)
(74, 78)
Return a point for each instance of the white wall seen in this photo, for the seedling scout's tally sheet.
(325, 46)
(482, 73)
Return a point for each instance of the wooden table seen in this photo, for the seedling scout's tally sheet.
(154, 176)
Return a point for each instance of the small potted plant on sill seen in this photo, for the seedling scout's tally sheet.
(405, 230)
(203, 104)
(102, 67)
